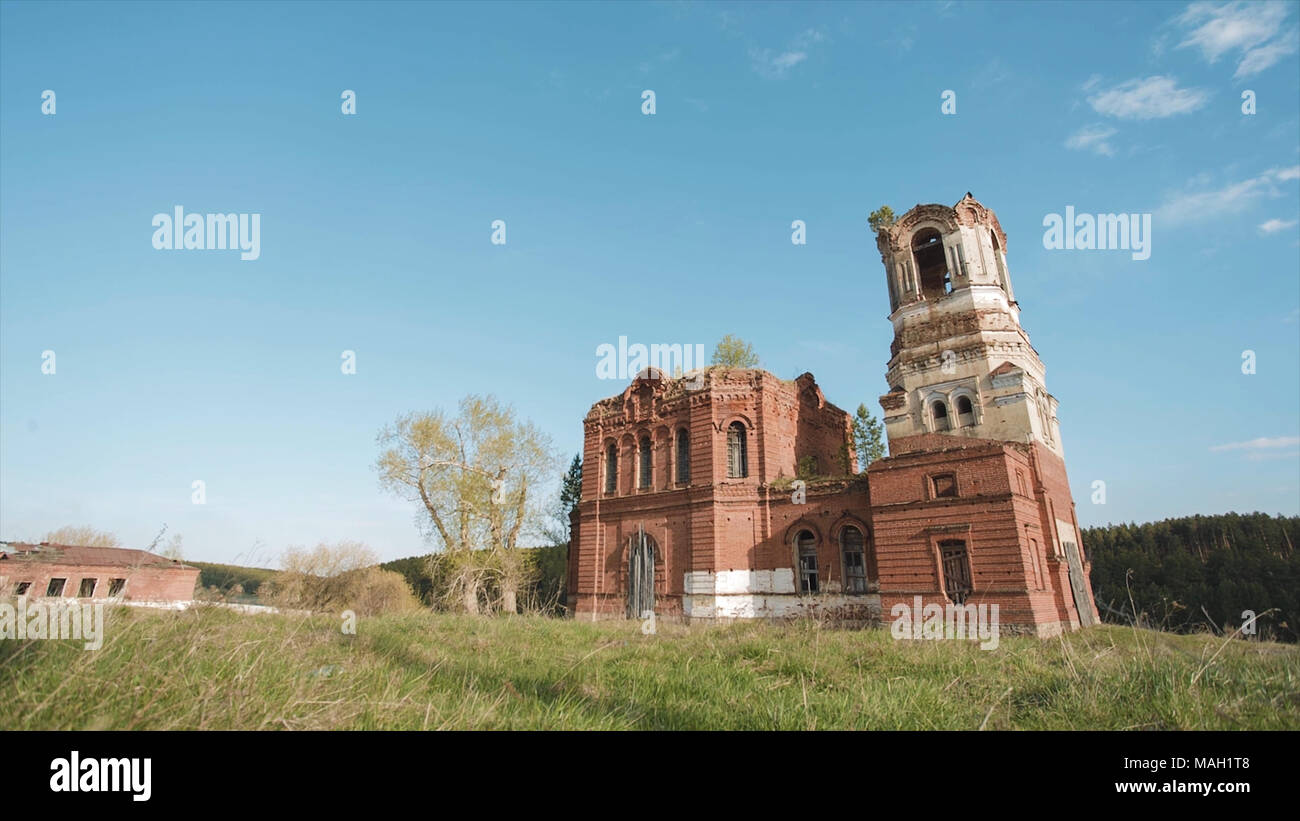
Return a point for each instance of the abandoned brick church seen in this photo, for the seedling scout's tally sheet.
(694, 510)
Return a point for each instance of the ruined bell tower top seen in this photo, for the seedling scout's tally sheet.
(933, 250)
(960, 364)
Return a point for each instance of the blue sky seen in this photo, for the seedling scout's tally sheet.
(674, 227)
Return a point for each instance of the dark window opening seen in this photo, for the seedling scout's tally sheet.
(611, 468)
(965, 412)
(55, 587)
(940, 411)
(931, 264)
(855, 563)
(737, 457)
(645, 462)
(115, 586)
(956, 570)
(87, 589)
(944, 486)
(22, 588)
(806, 544)
(683, 456)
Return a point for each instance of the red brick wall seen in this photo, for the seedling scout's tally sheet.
(1007, 495)
(1006, 492)
(143, 583)
(714, 522)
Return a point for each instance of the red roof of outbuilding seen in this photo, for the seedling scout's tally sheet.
(77, 554)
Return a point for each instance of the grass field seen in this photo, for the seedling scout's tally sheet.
(216, 669)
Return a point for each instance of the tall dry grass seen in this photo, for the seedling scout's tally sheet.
(216, 669)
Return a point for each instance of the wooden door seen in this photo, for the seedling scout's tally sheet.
(640, 575)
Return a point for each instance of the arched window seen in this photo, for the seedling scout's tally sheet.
(737, 455)
(643, 448)
(965, 412)
(931, 263)
(806, 546)
(683, 457)
(940, 411)
(611, 468)
(855, 560)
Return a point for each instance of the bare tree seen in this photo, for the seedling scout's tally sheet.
(82, 536)
(475, 477)
(334, 577)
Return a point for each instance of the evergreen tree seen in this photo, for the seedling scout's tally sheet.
(571, 488)
(1199, 573)
(882, 217)
(557, 532)
(868, 437)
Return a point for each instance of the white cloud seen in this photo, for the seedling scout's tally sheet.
(1267, 456)
(1274, 225)
(771, 64)
(1193, 206)
(1249, 29)
(1262, 443)
(1093, 138)
(1148, 99)
(809, 37)
(1218, 28)
(776, 63)
(1258, 59)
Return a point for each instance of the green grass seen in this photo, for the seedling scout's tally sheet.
(216, 669)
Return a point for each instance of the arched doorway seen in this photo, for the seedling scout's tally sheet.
(640, 575)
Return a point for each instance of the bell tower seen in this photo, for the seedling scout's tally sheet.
(960, 363)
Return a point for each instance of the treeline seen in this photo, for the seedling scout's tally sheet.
(544, 573)
(545, 570)
(231, 580)
(1199, 573)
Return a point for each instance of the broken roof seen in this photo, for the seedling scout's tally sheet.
(78, 554)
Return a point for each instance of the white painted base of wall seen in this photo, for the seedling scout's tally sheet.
(765, 594)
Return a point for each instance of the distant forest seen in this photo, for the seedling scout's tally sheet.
(1199, 573)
